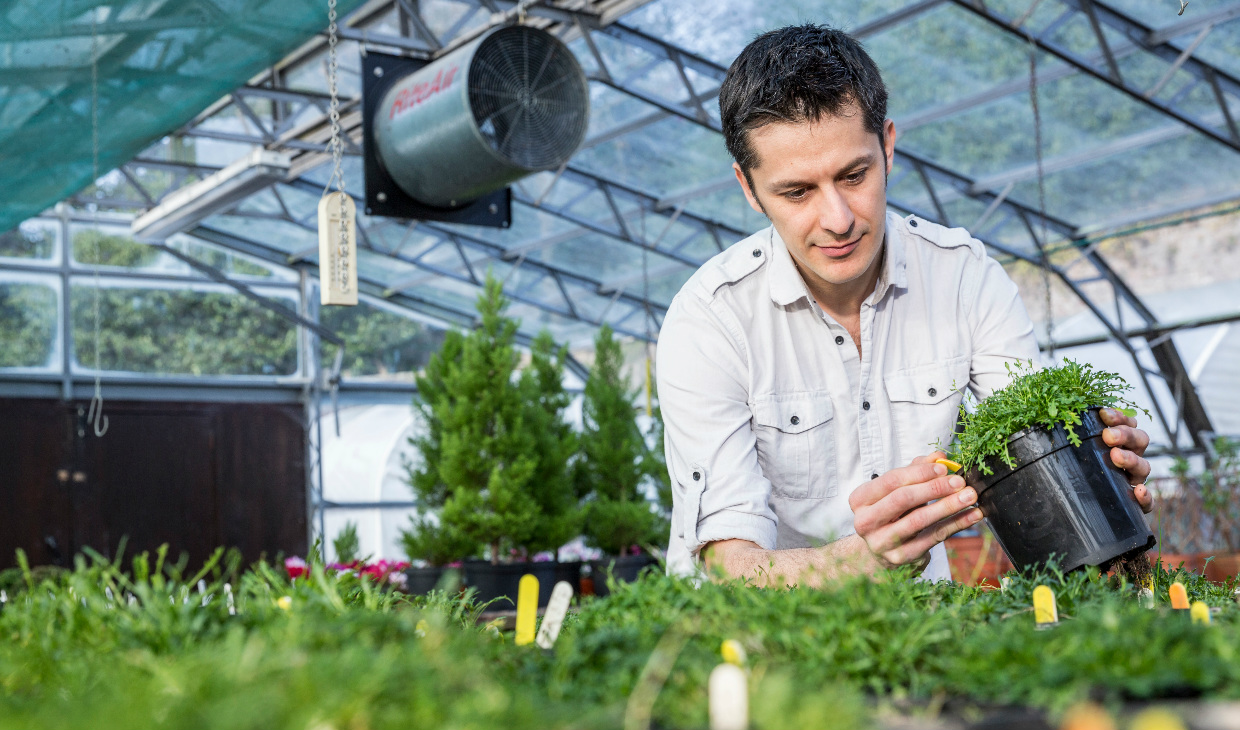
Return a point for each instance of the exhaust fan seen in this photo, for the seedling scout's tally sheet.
(444, 139)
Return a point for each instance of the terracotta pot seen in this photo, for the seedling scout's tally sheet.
(971, 566)
(1223, 566)
(1192, 562)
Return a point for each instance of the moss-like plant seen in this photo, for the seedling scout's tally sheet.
(1033, 398)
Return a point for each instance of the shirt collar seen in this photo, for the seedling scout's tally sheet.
(786, 283)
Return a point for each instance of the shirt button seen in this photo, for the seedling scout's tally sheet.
(839, 339)
(757, 253)
(933, 392)
(697, 475)
(865, 405)
(874, 476)
(795, 420)
(913, 222)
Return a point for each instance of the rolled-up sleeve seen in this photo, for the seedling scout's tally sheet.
(1001, 330)
(719, 491)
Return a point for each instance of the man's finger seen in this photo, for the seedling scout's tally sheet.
(891, 537)
(928, 458)
(1116, 417)
(1144, 498)
(875, 489)
(1126, 437)
(1137, 468)
(938, 532)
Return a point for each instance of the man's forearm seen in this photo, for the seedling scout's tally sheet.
(812, 567)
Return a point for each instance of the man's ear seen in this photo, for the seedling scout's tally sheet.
(889, 143)
(740, 178)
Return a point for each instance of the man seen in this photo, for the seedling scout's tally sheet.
(805, 373)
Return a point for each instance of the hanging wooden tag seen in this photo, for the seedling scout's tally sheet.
(553, 619)
(729, 698)
(337, 253)
(527, 609)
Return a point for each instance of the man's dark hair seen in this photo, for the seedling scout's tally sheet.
(797, 74)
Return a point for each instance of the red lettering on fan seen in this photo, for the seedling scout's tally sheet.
(410, 96)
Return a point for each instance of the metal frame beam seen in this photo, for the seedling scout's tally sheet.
(1098, 15)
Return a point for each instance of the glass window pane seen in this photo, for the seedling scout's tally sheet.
(33, 239)
(380, 344)
(199, 330)
(28, 321)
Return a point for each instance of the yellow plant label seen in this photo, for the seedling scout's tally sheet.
(1178, 595)
(951, 465)
(1200, 612)
(1044, 611)
(527, 610)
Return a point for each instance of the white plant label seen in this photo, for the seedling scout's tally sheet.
(337, 249)
(729, 698)
(553, 618)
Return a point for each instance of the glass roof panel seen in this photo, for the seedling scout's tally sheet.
(668, 155)
(1221, 47)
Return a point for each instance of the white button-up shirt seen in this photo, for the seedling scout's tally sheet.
(773, 417)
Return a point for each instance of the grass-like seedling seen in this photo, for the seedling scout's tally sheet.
(1035, 398)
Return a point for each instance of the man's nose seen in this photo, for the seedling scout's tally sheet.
(834, 215)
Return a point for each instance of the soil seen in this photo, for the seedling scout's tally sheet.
(1133, 565)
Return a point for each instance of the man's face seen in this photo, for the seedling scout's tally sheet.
(823, 184)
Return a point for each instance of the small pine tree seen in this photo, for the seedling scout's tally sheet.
(346, 544)
(555, 443)
(615, 459)
(495, 449)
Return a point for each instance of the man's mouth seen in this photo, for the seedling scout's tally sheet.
(839, 250)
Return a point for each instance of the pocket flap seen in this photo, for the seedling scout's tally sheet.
(927, 385)
(793, 413)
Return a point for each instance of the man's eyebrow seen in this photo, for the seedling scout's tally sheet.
(863, 160)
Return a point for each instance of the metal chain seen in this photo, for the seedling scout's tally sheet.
(337, 149)
(99, 422)
(1037, 143)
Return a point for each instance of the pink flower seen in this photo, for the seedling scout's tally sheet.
(295, 567)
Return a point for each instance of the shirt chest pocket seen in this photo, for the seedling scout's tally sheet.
(796, 444)
(924, 404)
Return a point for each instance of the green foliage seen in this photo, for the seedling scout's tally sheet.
(182, 331)
(495, 451)
(1034, 398)
(95, 247)
(346, 544)
(615, 457)
(27, 242)
(27, 324)
(380, 342)
(108, 645)
(542, 385)
(1203, 513)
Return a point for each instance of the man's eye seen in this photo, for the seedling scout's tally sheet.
(797, 194)
(855, 177)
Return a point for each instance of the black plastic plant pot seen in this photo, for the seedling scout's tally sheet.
(504, 580)
(624, 569)
(420, 581)
(1062, 501)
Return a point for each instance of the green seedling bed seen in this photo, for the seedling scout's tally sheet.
(139, 643)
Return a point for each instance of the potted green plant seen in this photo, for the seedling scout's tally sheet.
(617, 462)
(1044, 478)
(485, 448)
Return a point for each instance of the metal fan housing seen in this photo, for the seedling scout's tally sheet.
(512, 102)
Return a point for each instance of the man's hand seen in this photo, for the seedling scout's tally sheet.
(892, 514)
(1128, 444)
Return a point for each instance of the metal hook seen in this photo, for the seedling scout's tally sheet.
(95, 415)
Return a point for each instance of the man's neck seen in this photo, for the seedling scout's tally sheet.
(843, 301)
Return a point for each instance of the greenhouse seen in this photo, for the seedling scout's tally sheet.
(461, 364)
